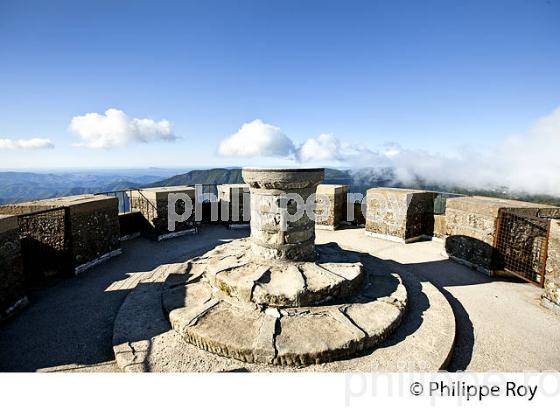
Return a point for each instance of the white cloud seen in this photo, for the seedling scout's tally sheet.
(257, 138)
(323, 148)
(528, 162)
(25, 144)
(116, 128)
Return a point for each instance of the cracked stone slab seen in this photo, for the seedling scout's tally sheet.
(280, 287)
(191, 295)
(229, 313)
(423, 341)
(313, 338)
(279, 283)
(232, 332)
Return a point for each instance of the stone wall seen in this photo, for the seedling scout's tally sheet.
(521, 243)
(153, 204)
(132, 223)
(440, 226)
(471, 224)
(69, 232)
(95, 230)
(12, 279)
(234, 200)
(403, 215)
(45, 242)
(331, 206)
(551, 296)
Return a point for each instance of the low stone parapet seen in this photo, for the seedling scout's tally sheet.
(12, 279)
(234, 202)
(551, 296)
(440, 226)
(331, 206)
(67, 234)
(471, 229)
(153, 204)
(401, 215)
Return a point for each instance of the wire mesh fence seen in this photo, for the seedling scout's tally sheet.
(521, 243)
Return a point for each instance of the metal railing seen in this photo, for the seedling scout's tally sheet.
(206, 192)
(440, 201)
(521, 243)
(131, 200)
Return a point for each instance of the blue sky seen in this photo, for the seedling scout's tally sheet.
(430, 75)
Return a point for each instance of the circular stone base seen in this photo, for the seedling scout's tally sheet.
(281, 283)
(227, 304)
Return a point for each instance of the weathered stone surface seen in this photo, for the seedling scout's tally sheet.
(471, 229)
(279, 283)
(310, 338)
(552, 277)
(280, 287)
(400, 214)
(12, 280)
(227, 309)
(331, 206)
(65, 239)
(153, 204)
(439, 226)
(95, 231)
(374, 325)
(423, 342)
(230, 331)
(234, 202)
(274, 233)
(264, 300)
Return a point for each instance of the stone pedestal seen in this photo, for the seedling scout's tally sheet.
(331, 206)
(276, 298)
(401, 215)
(280, 226)
(12, 279)
(234, 203)
(153, 204)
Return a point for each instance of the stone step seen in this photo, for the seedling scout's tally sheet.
(144, 341)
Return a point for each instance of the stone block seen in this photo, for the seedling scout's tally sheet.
(471, 224)
(402, 215)
(132, 224)
(72, 233)
(331, 206)
(153, 204)
(439, 226)
(12, 279)
(551, 296)
(234, 202)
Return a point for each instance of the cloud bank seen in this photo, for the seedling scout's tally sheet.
(25, 144)
(115, 128)
(528, 162)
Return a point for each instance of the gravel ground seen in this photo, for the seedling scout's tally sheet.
(68, 326)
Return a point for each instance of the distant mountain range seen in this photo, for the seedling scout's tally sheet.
(358, 181)
(233, 176)
(24, 186)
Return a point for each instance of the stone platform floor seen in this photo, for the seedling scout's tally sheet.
(69, 325)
